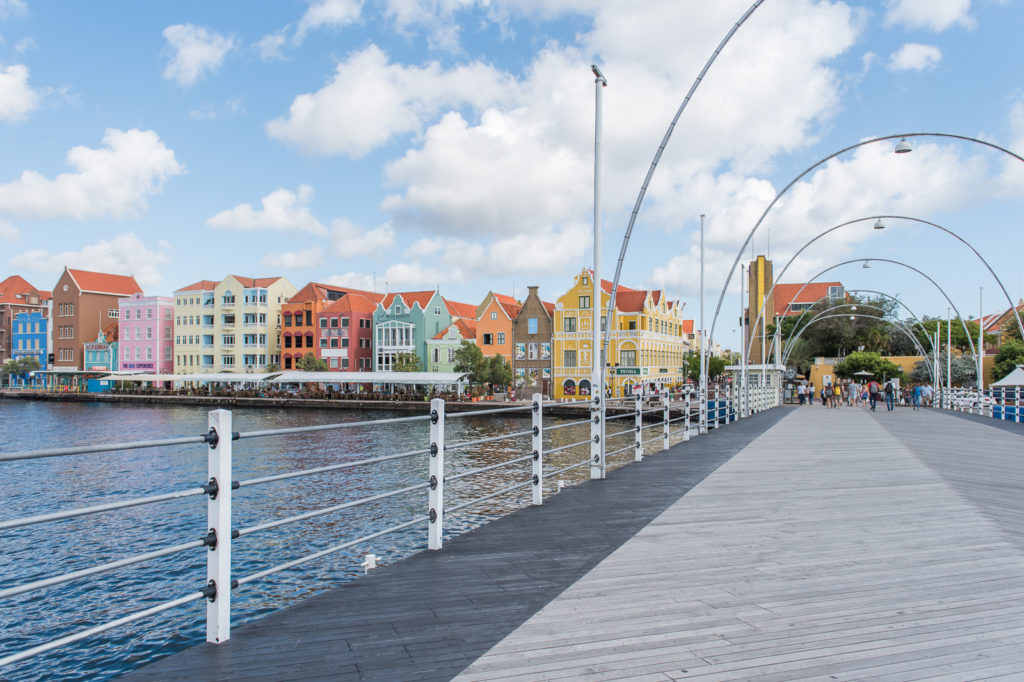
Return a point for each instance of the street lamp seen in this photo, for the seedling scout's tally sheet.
(879, 225)
(597, 448)
(903, 147)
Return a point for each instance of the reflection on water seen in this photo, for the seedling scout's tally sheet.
(44, 485)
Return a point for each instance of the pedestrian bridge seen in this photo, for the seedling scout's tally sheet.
(799, 543)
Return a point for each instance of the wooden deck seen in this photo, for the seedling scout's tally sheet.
(802, 543)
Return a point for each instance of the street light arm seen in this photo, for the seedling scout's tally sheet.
(661, 149)
(746, 242)
(789, 344)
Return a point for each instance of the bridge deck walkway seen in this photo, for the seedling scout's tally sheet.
(802, 543)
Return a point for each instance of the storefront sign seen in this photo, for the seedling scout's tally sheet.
(627, 371)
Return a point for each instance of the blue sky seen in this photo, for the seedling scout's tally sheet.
(418, 143)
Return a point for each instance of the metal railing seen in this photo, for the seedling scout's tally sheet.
(1003, 403)
(532, 465)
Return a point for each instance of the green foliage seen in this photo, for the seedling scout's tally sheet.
(407, 362)
(20, 366)
(273, 367)
(957, 335)
(1010, 354)
(499, 372)
(310, 363)
(962, 369)
(835, 334)
(1011, 330)
(860, 361)
(469, 358)
(716, 366)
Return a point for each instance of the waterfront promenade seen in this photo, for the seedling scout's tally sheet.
(801, 543)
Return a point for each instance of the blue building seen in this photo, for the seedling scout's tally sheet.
(101, 355)
(29, 338)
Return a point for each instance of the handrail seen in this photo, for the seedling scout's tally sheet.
(82, 511)
(459, 446)
(497, 410)
(331, 467)
(330, 427)
(489, 497)
(474, 472)
(566, 447)
(107, 447)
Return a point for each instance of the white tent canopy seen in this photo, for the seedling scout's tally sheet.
(1014, 378)
(406, 378)
(225, 377)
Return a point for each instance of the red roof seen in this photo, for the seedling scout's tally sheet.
(687, 326)
(463, 310)
(15, 286)
(103, 283)
(550, 308)
(316, 291)
(201, 285)
(467, 329)
(410, 297)
(785, 294)
(509, 304)
(355, 303)
(996, 321)
(250, 282)
(630, 301)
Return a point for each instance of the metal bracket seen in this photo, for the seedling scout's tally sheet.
(210, 539)
(434, 416)
(433, 516)
(536, 406)
(433, 482)
(536, 455)
(211, 437)
(597, 419)
(536, 431)
(212, 488)
(536, 479)
(597, 401)
(597, 439)
(210, 591)
(433, 449)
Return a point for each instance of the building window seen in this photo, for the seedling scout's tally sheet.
(287, 320)
(569, 324)
(227, 360)
(323, 323)
(228, 299)
(344, 322)
(585, 280)
(344, 363)
(627, 358)
(584, 301)
(334, 363)
(533, 351)
(149, 332)
(309, 318)
(494, 315)
(334, 343)
(501, 338)
(112, 313)
(437, 355)
(323, 342)
(531, 325)
(569, 358)
(488, 339)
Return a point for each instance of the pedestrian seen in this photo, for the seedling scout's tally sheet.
(837, 395)
(873, 394)
(890, 395)
(853, 393)
(826, 395)
(918, 391)
(810, 394)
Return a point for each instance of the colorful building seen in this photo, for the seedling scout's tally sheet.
(100, 355)
(997, 325)
(146, 334)
(84, 304)
(532, 331)
(442, 347)
(18, 296)
(402, 323)
(229, 326)
(30, 337)
(647, 344)
(303, 330)
(345, 333)
(494, 321)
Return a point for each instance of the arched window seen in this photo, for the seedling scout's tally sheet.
(569, 387)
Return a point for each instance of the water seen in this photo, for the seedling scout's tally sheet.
(45, 485)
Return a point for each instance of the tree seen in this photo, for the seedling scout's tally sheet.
(470, 359)
(20, 367)
(957, 335)
(310, 363)
(864, 361)
(962, 370)
(499, 372)
(1011, 330)
(716, 366)
(1010, 354)
(407, 362)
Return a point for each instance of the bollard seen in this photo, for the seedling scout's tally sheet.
(435, 498)
(597, 451)
(667, 416)
(686, 420)
(638, 447)
(218, 516)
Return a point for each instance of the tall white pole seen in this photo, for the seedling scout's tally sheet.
(743, 343)
(949, 359)
(703, 389)
(764, 348)
(597, 449)
(981, 346)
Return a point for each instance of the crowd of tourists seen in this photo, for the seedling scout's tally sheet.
(849, 393)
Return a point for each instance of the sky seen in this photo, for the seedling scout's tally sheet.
(413, 144)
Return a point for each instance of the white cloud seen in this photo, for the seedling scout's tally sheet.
(8, 232)
(914, 57)
(212, 112)
(24, 45)
(282, 210)
(12, 8)
(369, 101)
(293, 260)
(412, 275)
(196, 52)
(351, 240)
(270, 46)
(934, 15)
(331, 13)
(125, 254)
(114, 180)
(17, 98)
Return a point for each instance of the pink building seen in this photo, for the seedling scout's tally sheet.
(146, 334)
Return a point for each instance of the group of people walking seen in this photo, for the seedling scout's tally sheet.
(852, 394)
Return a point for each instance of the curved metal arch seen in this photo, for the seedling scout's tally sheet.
(657, 157)
(909, 267)
(898, 323)
(1009, 300)
(826, 317)
(746, 242)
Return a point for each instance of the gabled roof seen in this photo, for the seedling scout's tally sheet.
(549, 308)
(687, 326)
(251, 282)
(409, 297)
(463, 310)
(995, 322)
(785, 294)
(104, 283)
(466, 328)
(354, 303)
(630, 301)
(14, 288)
(317, 291)
(201, 285)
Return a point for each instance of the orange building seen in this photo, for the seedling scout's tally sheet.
(300, 320)
(495, 318)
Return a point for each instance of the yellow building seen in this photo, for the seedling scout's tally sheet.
(647, 345)
(229, 326)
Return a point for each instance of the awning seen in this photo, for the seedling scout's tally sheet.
(224, 377)
(406, 378)
(1014, 378)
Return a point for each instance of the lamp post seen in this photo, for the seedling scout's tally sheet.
(597, 449)
(702, 426)
(981, 347)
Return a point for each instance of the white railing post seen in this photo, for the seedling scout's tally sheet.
(1016, 402)
(218, 516)
(538, 448)
(638, 446)
(668, 400)
(435, 499)
(686, 420)
(597, 451)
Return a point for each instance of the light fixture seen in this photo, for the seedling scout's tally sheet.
(853, 308)
(879, 225)
(867, 264)
(903, 147)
